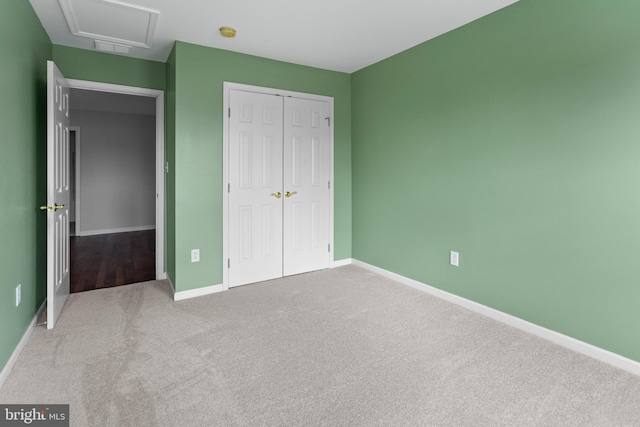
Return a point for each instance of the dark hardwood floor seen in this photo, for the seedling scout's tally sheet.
(110, 260)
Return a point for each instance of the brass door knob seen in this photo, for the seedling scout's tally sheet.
(288, 194)
(277, 195)
(53, 207)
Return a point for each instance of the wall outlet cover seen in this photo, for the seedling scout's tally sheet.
(454, 258)
(195, 255)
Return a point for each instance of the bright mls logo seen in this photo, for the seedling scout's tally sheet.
(34, 415)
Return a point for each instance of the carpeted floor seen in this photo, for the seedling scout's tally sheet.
(341, 347)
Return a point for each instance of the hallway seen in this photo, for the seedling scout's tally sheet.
(109, 260)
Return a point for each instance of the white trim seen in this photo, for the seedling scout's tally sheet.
(114, 88)
(116, 230)
(192, 293)
(159, 96)
(563, 340)
(341, 262)
(160, 172)
(332, 184)
(272, 91)
(8, 367)
(227, 87)
(226, 104)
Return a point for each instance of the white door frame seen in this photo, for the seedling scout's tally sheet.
(227, 88)
(159, 96)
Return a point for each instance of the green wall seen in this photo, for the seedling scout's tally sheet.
(22, 169)
(199, 76)
(101, 67)
(514, 140)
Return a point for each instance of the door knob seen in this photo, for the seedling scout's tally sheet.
(288, 194)
(53, 207)
(277, 195)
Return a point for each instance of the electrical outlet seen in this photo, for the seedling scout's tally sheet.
(18, 294)
(195, 255)
(454, 258)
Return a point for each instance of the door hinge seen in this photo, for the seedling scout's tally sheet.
(229, 114)
(229, 188)
(229, 263)
(329, 185)
(329, 247)
(328, 119)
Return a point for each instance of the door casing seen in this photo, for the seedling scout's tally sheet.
(227, 87)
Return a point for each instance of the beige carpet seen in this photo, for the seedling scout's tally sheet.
(341, 347)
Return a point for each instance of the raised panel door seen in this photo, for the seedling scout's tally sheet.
(307, 168)
(255, 188)
(57, 207)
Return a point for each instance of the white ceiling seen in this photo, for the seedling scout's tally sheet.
(339, 35)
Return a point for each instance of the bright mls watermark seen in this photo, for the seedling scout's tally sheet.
(34, 415)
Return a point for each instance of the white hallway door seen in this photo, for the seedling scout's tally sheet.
(279, 186)
(57, 206)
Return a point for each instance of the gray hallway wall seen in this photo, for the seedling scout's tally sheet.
(117, 171)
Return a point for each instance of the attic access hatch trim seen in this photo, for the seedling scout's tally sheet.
(91, 19)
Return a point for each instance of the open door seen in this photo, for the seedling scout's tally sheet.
(57, 206)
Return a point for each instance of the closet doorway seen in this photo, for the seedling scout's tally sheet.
(278, 183)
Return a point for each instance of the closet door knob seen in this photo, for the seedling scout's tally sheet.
(277, 195)
(287, 194)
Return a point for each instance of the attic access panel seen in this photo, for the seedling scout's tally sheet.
(111, 20)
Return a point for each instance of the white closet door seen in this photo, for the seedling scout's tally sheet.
(255, 183)
(307, 167)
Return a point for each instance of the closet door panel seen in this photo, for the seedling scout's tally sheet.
(255, 187)
(307, 167)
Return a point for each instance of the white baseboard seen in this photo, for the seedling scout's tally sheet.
(114, 230)
(341, 262)
(563, 340)
(177, 296)
(193, 293)
(4, 374)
